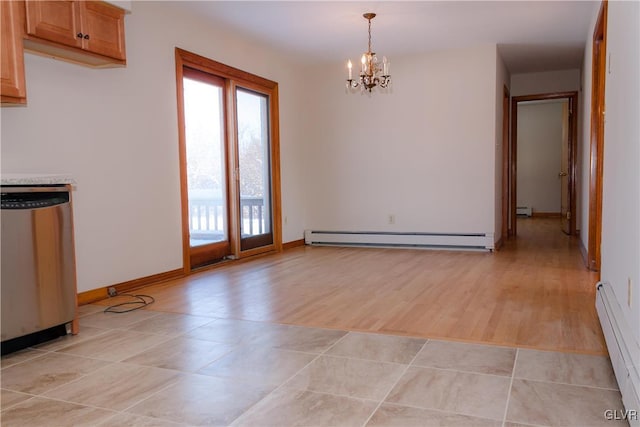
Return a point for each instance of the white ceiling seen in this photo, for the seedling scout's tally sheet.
(531, 35)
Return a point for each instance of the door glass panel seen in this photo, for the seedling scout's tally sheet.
(254, 166)
(206, 176)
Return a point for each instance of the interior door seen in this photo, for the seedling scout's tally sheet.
(206, 167)
(565, 205)
(254, 168)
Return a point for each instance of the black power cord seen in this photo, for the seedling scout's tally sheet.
(139, 302)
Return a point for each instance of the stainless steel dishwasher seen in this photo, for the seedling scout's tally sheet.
(38, 261)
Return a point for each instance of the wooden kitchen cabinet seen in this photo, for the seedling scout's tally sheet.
(87, 32)
(13, 90)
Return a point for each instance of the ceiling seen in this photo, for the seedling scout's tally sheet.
(531, 35)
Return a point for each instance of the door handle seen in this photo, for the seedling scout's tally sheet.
(561, 174)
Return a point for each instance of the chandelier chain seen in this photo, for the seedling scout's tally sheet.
(369, 35)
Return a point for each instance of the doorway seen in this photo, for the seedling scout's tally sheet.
(566, 172)
(229, 161)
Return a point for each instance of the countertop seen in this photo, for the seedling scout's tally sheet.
(35, 179)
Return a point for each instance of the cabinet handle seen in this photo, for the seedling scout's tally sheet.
(86, 36)
(79, 35)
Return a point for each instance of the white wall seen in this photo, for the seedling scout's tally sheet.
(584, 137)
(123, 4)
(115, 131)
(545, 82)
(424, 151)
(621, 181)
(539, 155)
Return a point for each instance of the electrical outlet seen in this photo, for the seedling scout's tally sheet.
(629, 291)
(392, 219)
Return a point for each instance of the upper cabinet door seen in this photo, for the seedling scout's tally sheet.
(86, 32)
(55, 21)
(13, 88)
(103, 29)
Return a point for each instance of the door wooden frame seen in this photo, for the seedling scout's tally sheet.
(506, 119)
(200, 255)
(513, 155)
(244, 79)
(272, 96)
(599, 55)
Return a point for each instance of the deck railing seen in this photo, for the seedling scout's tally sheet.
(206, 217)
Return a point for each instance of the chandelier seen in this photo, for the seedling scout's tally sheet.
(371, 73)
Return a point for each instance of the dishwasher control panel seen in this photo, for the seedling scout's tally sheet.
(33, 197)
(37, 200)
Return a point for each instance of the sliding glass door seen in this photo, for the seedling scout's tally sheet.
(206, 159)
(254, 168)
(229, 161)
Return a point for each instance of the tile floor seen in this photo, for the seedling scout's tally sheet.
(148, 368)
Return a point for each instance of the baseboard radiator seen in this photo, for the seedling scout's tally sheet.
(467, 241)
(524, 211)
(624, 351)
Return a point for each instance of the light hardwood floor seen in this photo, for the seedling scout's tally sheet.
(534, 293)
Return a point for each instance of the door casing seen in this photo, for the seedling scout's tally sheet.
(597, 139)
(513, 156)
(234, 77)
(506, 117)
(565, 203)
